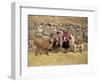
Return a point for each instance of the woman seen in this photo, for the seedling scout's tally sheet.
(56, 39)
(66, 38)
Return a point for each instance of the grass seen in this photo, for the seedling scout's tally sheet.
(57, 58)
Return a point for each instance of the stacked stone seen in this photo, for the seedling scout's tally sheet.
(44, 30)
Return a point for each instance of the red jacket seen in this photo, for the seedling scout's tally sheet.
(66, 36)
(56, 36)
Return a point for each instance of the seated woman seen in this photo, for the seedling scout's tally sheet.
(56, 40)
(66, 38)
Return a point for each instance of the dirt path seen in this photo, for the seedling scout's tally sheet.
(58, 59)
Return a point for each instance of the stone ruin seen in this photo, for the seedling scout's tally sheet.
(41, 30)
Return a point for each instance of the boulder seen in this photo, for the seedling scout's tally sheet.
(47, 31)
(31, 34)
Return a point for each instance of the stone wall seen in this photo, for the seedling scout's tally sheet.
(40, 27)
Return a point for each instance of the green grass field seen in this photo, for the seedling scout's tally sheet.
(57, 59)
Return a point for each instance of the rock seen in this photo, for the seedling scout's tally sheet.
(31, 34)
(47, 31)
(31, 25)
(79, 35)
(85, 46)
(38, 35)
(30, 46)
(85, 36)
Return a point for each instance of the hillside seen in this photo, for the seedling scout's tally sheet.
(81, 21)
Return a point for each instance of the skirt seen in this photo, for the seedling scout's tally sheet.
(56, 44)
(66, 45)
